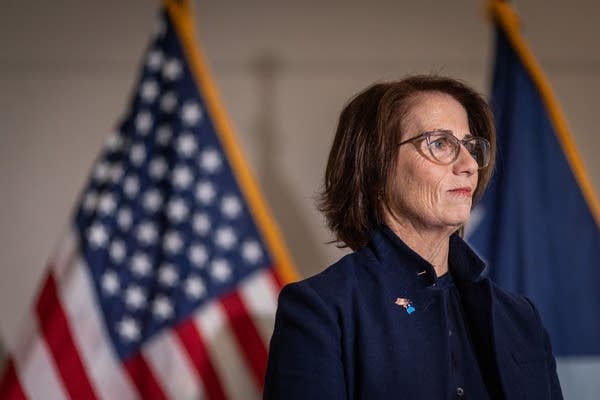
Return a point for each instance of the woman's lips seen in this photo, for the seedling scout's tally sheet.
(463, 191)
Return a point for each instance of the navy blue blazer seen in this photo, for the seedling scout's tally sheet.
(341, 335)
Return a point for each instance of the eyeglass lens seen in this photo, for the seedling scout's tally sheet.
(445, 147)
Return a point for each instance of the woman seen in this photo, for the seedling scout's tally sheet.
(408, 315)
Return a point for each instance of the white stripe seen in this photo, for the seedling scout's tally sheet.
(222, 349)
(172, 367)
(35, 368)
(258, 293)
(104, 369)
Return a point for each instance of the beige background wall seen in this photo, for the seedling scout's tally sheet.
(284, 70)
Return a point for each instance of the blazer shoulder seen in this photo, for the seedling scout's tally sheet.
(519, 310)
(516, 302)
(334, 283)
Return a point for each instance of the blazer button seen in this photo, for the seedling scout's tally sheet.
(460, 392)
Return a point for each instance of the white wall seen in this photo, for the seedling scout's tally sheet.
(67, 68)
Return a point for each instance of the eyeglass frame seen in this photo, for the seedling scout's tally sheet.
(426, 136)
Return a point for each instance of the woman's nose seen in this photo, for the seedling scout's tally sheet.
(465, 163)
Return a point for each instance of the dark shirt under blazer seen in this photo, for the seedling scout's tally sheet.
(341, 335)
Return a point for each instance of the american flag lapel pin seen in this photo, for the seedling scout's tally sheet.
(406, 304)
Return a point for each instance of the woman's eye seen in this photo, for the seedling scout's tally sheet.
(439, 144)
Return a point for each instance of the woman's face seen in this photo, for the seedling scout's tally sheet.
(425, 194)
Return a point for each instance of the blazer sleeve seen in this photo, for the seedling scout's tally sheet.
(305, 357)
(555, 390)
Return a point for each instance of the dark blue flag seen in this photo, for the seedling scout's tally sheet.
(538, 224)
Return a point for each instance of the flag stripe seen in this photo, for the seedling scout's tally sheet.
(10, 387)
(222, 350)
(248, 338)
(35, 367)
(259, 293)
(91, 337)
(57, 333)
(196, 349)
(143, 378)
(172, 368)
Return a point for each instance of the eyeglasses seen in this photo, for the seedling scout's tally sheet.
(444, 147)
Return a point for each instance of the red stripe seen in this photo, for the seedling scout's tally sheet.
(143, 378)
(248, 338)
(10, 387)
(57, 333)
(196, 350)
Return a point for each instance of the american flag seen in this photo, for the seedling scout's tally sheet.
(166, 284)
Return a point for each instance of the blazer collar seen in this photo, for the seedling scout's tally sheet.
(393, 253)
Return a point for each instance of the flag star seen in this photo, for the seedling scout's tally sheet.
(168, 102)
(96, 235)
(177, 210)
(131, 186)
(128, 329)
(138, 154)
(117, 251)
(167, 275)
(110, 283)
(163, 135)
(152, 200)
(124, 218)
(220, 270)
(186, 144)
(210, 160)
(172, 69)
(205, 192)
(158, 168)
(194, 287)
(172, 242)
(116, 173)
(140, 264)
(135, 297)
(231, 206)
(89, 201)
(149, 90)
(143, 122)
(154, 60)
(114, 142)
(107, 204)
(147, 233)
(198, 255)
(225, 238)
(182, 177)
(162, 307)
(191, 113)
(101, 171)
(251, 251)
(201, 224)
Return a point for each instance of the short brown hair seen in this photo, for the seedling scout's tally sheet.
(363, 155)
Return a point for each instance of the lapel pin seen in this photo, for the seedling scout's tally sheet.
(407, 304)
